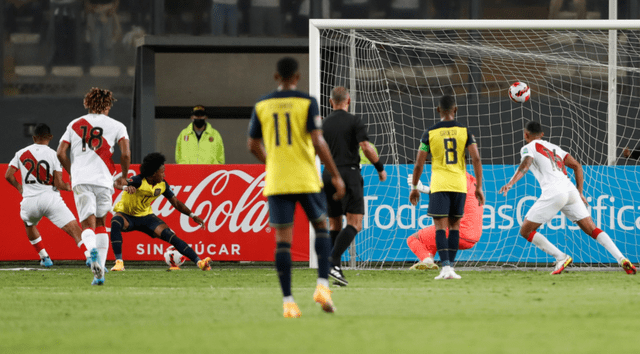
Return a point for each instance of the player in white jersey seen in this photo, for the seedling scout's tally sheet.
(41, 176)
(91, 140)
(548, 163)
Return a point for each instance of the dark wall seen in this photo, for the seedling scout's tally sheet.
(55, 112)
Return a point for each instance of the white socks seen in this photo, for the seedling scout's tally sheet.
(607, 243)
(102, 244)
(89, 239)
(323, 281)
(542, 243)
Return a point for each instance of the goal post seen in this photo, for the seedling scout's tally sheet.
(585, 81)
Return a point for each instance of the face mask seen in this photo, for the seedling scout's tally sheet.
(198, 123)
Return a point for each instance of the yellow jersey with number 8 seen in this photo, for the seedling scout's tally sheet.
(284, 121)
(446, 141)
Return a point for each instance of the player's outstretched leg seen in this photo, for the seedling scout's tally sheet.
(169, 236)
(605, 240)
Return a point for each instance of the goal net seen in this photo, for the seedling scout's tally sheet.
(584, 81)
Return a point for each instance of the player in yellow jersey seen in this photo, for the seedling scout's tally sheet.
(447, 141)
(134, 213)
(285, 133)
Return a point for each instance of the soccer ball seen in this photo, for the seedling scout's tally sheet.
(173, 257)
(519, 92)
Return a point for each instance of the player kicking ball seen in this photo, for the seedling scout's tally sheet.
(548, 163)
(134, 213)
(42, 175)
(423, 242)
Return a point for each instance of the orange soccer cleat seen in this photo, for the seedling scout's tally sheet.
(119, 267)
(291, 310)
(204, 264)
(322, 295)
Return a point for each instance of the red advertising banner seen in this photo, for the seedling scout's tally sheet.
(227, 197)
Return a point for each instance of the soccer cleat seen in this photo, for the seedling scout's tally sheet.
(424, 266)
(46, 262)
(322, 295)
(291, 310)
(453, 274)
(336, 273)
(96, 268)
(628, 266)
(204, 264)
(174, 267)
(561, 265)
(119, 267)
(444, 273)
(97, 281)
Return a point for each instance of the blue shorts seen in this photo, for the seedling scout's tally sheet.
(282, 207)
(146, 224)
(446, 204)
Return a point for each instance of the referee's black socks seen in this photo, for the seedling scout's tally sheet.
(344, 239)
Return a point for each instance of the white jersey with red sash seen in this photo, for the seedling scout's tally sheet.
(92, 138)
(36, 164)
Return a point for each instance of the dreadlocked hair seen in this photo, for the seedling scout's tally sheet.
(98, 100)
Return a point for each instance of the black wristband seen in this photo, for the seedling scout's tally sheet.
(379, 165)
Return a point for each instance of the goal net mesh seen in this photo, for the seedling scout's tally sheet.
(396, 78)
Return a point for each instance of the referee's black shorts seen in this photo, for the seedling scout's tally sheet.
(353, 201)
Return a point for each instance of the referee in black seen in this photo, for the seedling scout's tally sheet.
(344, 133)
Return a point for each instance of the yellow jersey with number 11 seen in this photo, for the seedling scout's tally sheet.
(284, 121)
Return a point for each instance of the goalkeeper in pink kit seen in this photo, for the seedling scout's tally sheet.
(423, 242)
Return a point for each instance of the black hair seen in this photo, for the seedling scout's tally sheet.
(287, 67)
(533, 127)
(42, 131)
(447, 103)
(151, 164)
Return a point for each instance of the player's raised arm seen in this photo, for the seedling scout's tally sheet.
(477, 169)
(322, 149)
(176, 203)
(520, 172)
(414, 197)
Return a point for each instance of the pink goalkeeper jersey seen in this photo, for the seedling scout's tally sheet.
(548, 166)
(92, 138)
(36, 164)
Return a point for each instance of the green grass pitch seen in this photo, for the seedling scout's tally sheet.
(239, 310)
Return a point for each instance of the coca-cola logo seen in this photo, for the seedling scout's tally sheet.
(225, 199)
